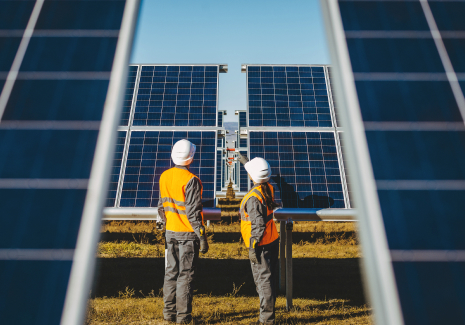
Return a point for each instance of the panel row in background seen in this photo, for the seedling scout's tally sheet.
(172, 95)
(305, 167)
(288, 96)
(148, 156)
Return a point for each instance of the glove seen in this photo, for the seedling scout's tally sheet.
(252, 252)
(159, 226)
(203, 241)
(242, 159)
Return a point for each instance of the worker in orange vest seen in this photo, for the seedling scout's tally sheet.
(260, 235)
(180, 208)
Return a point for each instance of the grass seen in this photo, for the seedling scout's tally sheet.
(225, 310)
(327, 281)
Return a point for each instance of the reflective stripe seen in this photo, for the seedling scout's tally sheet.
(174, 210)
(171, 200)
(259, 194)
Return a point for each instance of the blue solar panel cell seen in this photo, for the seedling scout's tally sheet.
(58, 225)
(8, 48)
(79, 147)
(426, 305)
(70, 54)
(116, 168)
(49, 281)
(68, 15)
(305, 168)
(448, 15)
(285, 96)
(15, 14)
(423, 219)
(455, 48)
(149, 156)
(417, 155)
(394, 55)
(373, 15)
(171, 96)
(60, 100)
(407, 101)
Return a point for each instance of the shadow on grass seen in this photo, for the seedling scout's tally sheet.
(314, 278)
(228, 237)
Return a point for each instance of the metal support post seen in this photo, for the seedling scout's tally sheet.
(282, 257)
(289, 226)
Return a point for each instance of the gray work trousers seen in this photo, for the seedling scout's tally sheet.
(265, 275)
(180, 262)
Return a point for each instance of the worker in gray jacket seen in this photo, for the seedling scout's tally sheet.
(260, 235)
(180, 209)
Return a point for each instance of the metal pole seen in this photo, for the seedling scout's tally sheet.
(282, 257)
(289, 226)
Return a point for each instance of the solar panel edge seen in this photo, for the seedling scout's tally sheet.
(379, 276)
(82, 269)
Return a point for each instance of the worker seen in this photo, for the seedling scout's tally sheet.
(260, 235)
(180, 209)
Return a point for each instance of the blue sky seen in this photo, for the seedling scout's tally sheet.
(230, 32)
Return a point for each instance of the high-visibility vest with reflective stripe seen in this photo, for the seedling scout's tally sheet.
(172, 191)
(271, 233)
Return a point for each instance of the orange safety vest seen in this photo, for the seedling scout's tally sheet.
(271, 233)
(172, 192)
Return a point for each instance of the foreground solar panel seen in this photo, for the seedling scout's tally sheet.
(59, 59)
(400, 68)
(287, 96)
(305, 168)
(173, 95)
(149, 156)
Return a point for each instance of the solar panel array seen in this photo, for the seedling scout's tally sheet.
(56, 58)
(129, 95)
(149, 156)
(305, 167)
(116, 169)
(407, 59)
(287, 96)
(183, 97)
(291, 123)
(177, 96)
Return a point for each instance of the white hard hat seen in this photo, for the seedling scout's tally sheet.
(259, 170)
(183, 152)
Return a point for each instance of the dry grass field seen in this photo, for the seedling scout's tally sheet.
(327, 280)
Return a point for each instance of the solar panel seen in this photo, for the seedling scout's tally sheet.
(56, 58)
(286, 96)
(243, 177)
(172, 95)
(129, 96)
(116, 169)
(220, 119)
(305, 168)
(149, 155)
(406, 60)
(242, 119)
(219, 169)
